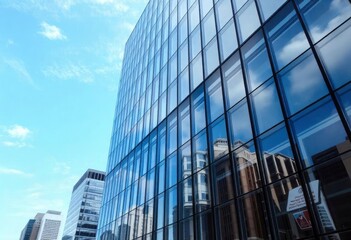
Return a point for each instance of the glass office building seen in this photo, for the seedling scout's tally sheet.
(233, 122)
(84, 209)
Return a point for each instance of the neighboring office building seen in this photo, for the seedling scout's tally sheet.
(27, 230)
(45, 226)
(223, 111)
(50, 225)
(83, 212)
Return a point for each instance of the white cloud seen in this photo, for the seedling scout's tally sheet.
(18, 131)
(51, 32)
(14, 136)
(12, 171)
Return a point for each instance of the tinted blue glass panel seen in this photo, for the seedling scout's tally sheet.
(324, 16)
(239, 122)
(267, 8)
(345, 98)
(218, 139)
(256, 61)
(318, 130)
(248, 20)
(266, 106)
(233, 81)
(286, 36)
(171, 205)
(335, 52)
(302, 82)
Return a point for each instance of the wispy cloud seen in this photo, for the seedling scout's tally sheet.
(70, 71)
(62, 168)
(19, 67)
(12, 171)
(51, 32)
(14, 144)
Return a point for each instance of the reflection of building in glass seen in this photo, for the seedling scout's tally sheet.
(228, 114)
(83, 212)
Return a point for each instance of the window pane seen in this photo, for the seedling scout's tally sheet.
(227, 40)
(238, 4)
(285, 195)
(184, 122)
(324, 16)
(198, 111)
(206, 5)
(172, 133)
(248, 20)
(195, 43)
(163, 106)
(302, 82)
(194, 17)
(172, 97)
(318, 130)
(200, 154)
(183, 85)
(224, 12)
(153, 152)
(171, 232)
(202, 190)
(171, 170)
(173, 71)
(149, 216)
(211, 57)
(183, 56)
(233, 81)
(162, 141)
(215, 97)
(253, 206)
(239, 121)
(182, 8)
(256, 61)
(286, 36)
(171, 205)
(208, 28)
(266, 106)
(222, 181)
(196, 75)
(160, 211)
(161, 177)
(277, 154)
(337, 65)
(186, 229)
(245, 160)
(218, 139)
(150, 185)
(183, 29)
(331, 184)
(204, 226)
(186, 206)
(267, 8)
(345, 98)
(226, 222)
(185, 159)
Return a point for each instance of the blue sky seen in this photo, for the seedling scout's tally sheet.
(60, 62)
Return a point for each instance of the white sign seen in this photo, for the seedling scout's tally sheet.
(296, 199)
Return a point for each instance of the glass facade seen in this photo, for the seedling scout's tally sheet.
(84, 209)
(233, 122)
